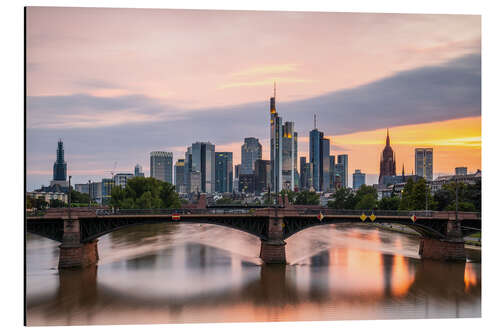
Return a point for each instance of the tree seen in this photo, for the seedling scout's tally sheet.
(224, 201)
(145, 193)
(366, 197)
(389, 203)
(343, 198)
(307, 198)
(406, 196)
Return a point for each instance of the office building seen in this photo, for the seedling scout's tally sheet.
(188, 167)
(161, 165)
(387, 161)
(424, 163)
(180, 185)
(289, 157)
(246, 183)
(203, 167)
(138, 171)
(106, 187)
(358, 179)
(461, 171)
(341, 170)
(251, 151)
(276, 146)
(82, 188)
(319, 158)
(224, 172)
(120, 179)
(303, 162)
(332, 173)
(262, 176)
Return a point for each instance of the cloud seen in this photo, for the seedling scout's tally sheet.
(451, 90)
(266, 70)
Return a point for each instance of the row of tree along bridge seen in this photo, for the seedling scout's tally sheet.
(78, 231)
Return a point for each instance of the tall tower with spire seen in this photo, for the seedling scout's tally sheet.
(59, 171)
(387, 161)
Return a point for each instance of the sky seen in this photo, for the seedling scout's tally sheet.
(115, 84)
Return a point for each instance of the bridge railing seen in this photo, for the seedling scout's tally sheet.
(180, 211)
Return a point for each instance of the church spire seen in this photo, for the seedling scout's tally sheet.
(403, 172)
(387, 140)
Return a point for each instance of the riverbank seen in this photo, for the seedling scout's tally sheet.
(472, 243)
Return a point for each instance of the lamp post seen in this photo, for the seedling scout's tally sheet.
(90, 200)
(69, 198)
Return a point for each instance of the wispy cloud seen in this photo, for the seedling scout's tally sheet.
(264, 82)
(266, 70)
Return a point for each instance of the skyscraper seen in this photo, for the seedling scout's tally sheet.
(319, 158)
(236, 185)
(203, 167)
(180, 185)
(161, 163)
(138, 171)
(188, 167)
(223, 172)
(424, 162)
(276, 146)
(387, 161)
(332, 173)
(289, 156)
(461, 171)
(251, 151)
(120, 179)
(262, 175)
(341, 169)
(358, 179)
(60, 167)
(303, 174)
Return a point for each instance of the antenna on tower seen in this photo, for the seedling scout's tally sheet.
(274, 89)
(315, 127)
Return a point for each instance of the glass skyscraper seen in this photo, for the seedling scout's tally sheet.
(341, 170)
(60, 167)
(358, 179)
(203, 167)
(161, 163)
(251, 151)
(283, 152)
(319, 157)
(180, 185)
(223, 172)
(424, 162)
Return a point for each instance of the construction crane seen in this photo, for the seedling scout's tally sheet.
(112, 172)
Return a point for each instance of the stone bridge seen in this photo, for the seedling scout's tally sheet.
(442, 232)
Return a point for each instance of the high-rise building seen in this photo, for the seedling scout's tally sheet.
(387, 161)
(161, 163)
(358, 179)
(276, 146)
(461, 171)
(180, 185)
(319, 157)
(188, 168)
(106, 187)
(203, 167)
(289, 156)
(262, 176)
(60, 166)
(120, 179)
(332, 173)
(223, 172)
(246, 183)
(138, 171)
(251, 151)
(303, 162)
(424, 162)
(341, 169)
(236, 187)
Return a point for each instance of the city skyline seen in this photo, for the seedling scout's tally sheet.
(94, 113)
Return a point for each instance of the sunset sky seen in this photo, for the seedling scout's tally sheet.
(115, 84)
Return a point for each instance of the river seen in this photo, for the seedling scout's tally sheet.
(201, 273)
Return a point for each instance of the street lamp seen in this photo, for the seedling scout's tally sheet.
(69, 198)
(90, 200)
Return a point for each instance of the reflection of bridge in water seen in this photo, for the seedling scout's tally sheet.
(272, 286)
(442, 232)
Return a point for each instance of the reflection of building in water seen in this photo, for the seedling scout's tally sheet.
(387, 262)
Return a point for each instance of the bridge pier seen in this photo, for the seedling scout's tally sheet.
(73, 253)
(452, 248)
(272, 250)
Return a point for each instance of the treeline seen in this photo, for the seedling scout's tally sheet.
(77, 200)
(145, 193)
(414, 196)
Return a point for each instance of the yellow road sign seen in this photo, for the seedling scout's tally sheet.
(413, 218)
(320, 216)
(373, 217)
(363, 217)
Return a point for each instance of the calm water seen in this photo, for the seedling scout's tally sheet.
(193, 273)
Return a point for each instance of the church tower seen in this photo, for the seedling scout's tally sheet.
(387, 161)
